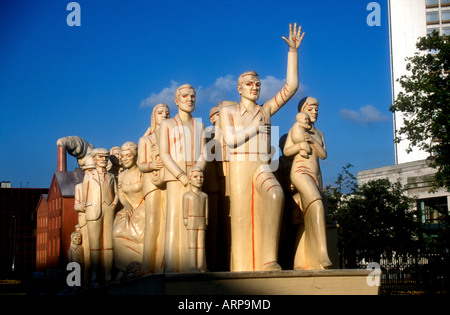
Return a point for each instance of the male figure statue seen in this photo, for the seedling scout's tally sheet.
(99, 203)
(181, 143)
(195, 217)
(256, 196)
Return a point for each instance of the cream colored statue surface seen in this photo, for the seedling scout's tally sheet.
(195, 218)
(181, 145)
(154, 192)
(306, 177)
(88, 168)
(99, 201)
(129, 223)
(256, 196)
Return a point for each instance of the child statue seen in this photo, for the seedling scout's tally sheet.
(195, 216)
(299, 130)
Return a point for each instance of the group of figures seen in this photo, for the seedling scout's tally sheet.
(184, 195)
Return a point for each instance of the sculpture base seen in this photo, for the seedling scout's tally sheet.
(286, 282)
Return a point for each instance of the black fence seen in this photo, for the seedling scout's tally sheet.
(413, 274)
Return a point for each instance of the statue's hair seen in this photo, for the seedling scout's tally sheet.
(195, 169)
(241, 77)
(184, 86)
(307, 101)
(130, 145)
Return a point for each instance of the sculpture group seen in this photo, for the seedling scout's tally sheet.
(184, 196)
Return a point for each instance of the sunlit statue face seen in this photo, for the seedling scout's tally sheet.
(128, 158)
(101, 160)
(313, 111)
(185, 99)
(161, 114)
(250, 87)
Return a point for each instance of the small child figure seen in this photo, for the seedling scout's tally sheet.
(76, 252)
(195, 215)
(300, 133)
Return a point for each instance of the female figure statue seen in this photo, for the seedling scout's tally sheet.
(154, 192)
(306, 177)
(128, 230)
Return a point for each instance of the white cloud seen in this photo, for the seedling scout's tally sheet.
(366, 115)
(223, 88)
(166, 96)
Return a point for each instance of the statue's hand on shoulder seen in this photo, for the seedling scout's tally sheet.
(295, 37)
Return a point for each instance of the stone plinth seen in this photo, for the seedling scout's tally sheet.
(289, 282)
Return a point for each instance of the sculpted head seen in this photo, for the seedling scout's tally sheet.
(101, 157)
(160, 112)
(249, 85)
(196, 177)
(304, 120)
(185, 98)
(129, 154)
(309, 105)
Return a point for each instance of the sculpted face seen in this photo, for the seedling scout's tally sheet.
(197, 179)
(128, 159)
(161, 114)
(101, 160)
(250, 87)
(77, 239)
(185, 99)
(313, 111)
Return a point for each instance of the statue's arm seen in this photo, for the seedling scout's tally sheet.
(290, 148)
(169, 163)
(233, 136)
(320, 149)
(292, 82)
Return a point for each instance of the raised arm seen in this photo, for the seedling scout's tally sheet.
(292, 82)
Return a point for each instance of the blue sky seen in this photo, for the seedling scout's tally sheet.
(100, 80)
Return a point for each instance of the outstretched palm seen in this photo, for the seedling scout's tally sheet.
(295, 39)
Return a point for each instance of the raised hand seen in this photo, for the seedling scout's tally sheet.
(295, 38)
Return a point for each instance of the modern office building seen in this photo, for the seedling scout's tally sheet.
(409, 20)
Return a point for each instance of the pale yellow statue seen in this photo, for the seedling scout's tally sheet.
(76, 252)
(195, 217)
(99, 202)
(181, 145)
(256, 196)
(88, 168)
(128, 231)
(306, 177)
(115, 161)
(154, 192)
(299, 132)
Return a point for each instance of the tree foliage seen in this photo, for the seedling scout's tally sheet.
(425, 103)
(375, 218)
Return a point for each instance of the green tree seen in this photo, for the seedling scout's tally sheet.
(425, 103)
(373, 219)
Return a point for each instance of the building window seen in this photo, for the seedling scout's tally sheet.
(432, 3)
(445, 3)
(433, 17)
(446, 31)
(445, 16)
(432, 209)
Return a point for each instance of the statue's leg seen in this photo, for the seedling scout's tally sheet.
(269, 213)
(242, 253)
(152, 224)
(315, 229)
(192, 251)
(171, 248)
(108, 254)
(95, 231)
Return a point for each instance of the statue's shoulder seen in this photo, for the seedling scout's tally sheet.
(228, 106)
